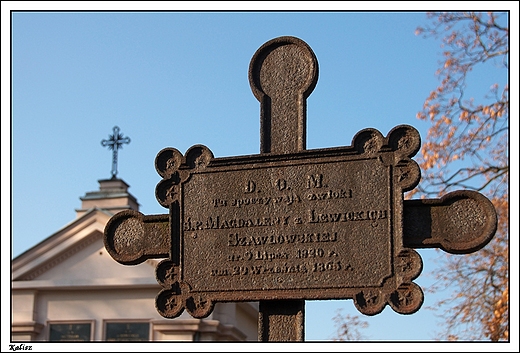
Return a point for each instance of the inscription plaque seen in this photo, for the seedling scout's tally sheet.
(314, 224)
(292, 226)
(122, 331)
(69, 332)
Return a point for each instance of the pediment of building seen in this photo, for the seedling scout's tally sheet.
(76, 254)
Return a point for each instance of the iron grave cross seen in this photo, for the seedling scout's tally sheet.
(115, 142)
(291, 224)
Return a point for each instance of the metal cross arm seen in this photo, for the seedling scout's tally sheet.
(291, 224)
(150, 236)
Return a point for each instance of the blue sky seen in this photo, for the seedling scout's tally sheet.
(176, 79)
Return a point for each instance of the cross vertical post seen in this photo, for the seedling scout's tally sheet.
(115, 142)
(282, 74)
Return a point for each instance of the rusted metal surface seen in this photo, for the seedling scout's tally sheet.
(460, 222)
(131, 237)
(290, 224)
(282, 74)
(281, 321)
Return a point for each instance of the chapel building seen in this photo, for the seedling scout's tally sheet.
(68, 288)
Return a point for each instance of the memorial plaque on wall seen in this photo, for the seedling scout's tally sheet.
(122, 331)
(70, 332)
